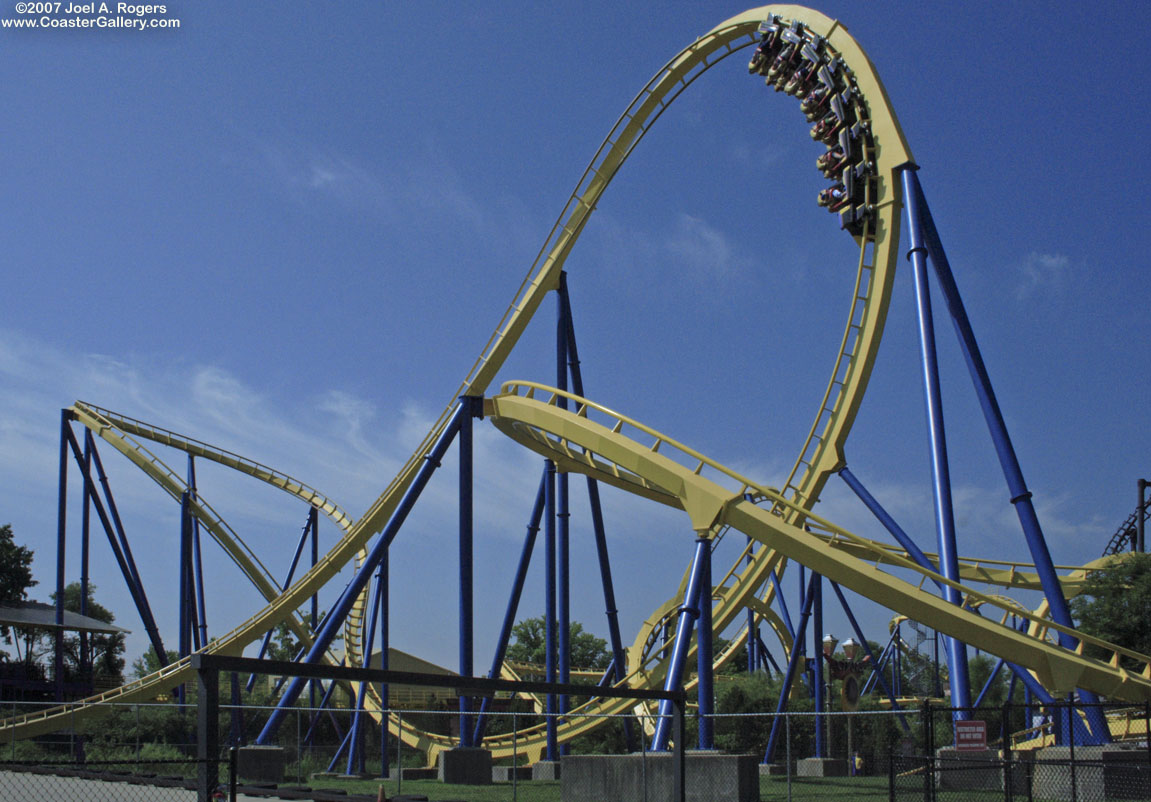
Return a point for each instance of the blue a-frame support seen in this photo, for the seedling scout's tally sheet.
(88, 459)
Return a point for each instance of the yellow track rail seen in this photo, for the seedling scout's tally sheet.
(604, 452)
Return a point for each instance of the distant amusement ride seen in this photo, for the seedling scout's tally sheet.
(873, 185)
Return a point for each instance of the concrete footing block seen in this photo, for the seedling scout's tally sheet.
(821, 767)
(637, 777)
(546, 770)
(465, 766)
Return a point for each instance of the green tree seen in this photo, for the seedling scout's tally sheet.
(149, 662)
(106, 649)
(1115, 605)
(15, 573)
(587, 651)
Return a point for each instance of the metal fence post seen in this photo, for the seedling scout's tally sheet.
(1008, 783)
(1146, 784)
(643, 766)
(679, 732)
(1071, 720)
(890, 773)
(515, 758)
(399, 754)
(928, 752)
(787, 750)
(207, 726)
(232, 779)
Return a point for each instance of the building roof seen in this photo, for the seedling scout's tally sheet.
(43, 616)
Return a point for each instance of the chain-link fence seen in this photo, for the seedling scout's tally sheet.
(611, 760)
(148, 751)
(99, 781)
(1060, 751)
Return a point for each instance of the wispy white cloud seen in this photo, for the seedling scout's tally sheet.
(704, 250)
(1041, 271)
(406, 188)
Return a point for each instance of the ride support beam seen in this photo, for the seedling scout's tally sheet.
(61, 542)
(356, 743)
(611, 611)
(115, 533)
(773, 577)
(473, 408)
(688, 615)
(314, 523)
(1141, 516)
(317, 711)
(513, 604)
(789, 676)
(185, 644)
(923, 225)
(384, 578)
(919, 214)
(855, 628)
(888, 522)
(940, 470)
(752, 630)
(287, 582)
(198, 564)
(118, 540)
(85, 522)
(552, 752)
(705, 655)
(563, 516)
(332, 622)
(817, 666)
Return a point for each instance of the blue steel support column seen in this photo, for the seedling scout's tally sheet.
(332, 622)
(573, 364)
(1008, 461)
(563, 517)
(185, 610)
(789, 676)
(61, 524)
(897, 673)
(888, 522)
(197, 563)
(286, 583)
(123, 552)
(550, 606)
(752, 629)
(469, 405)
(85, 522)
(185, 574)
(855, 628)
(941, 484)
(619, 656)
(773, 577)
(817, 664)
(513, 603)
(314, 521)
(384, 578)
(688, 613)
(705, 654)
(356, 743)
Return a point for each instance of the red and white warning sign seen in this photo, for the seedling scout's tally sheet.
(970, 735)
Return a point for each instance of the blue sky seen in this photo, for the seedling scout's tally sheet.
(288, 229)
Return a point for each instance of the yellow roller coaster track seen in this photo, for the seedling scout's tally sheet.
(578, 444)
